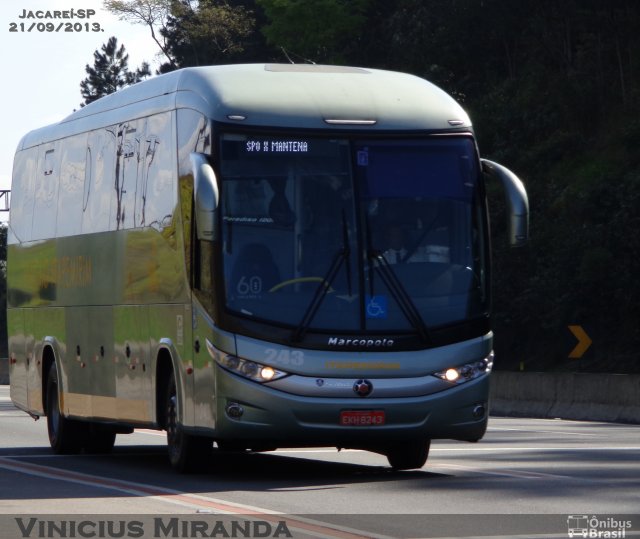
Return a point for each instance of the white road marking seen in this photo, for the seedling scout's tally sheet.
(185, 499)
(536, 431)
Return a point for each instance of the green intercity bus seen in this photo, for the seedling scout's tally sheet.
(253, 257)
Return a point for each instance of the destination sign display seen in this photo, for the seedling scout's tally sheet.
(277, 146)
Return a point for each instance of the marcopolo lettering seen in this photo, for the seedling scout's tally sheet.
(366, 343)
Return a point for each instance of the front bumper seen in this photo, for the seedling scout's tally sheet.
(275, 418)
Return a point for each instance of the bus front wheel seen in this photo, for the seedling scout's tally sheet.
(186, 452)
(408, 456)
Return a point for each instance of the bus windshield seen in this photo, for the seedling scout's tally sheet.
(349, 235)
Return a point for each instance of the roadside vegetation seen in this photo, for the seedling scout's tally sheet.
(553, 89)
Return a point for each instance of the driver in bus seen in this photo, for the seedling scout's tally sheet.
(399, 250)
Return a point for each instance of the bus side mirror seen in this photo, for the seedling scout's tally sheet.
(206, 197)
(516, 199)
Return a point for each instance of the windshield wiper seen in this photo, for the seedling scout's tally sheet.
(395, 287)
(399, 293)
(341, 257)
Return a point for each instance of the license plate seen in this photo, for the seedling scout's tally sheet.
(362, 418)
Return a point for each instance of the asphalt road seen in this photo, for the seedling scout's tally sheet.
(526, 478)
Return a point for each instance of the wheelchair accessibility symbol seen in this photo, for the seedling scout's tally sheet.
(377, 306)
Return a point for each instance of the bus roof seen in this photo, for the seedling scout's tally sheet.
(277, 95)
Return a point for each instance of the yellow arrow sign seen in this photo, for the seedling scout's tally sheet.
(584, 342)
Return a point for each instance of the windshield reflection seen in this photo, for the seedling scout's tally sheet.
(351, 236)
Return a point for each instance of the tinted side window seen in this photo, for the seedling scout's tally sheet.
(100, 173)
(129, 136)
(22, 193)
(157, 189)
(45, 208)
(194, 135)
(73, 152)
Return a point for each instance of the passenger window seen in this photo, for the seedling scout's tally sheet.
(72, 178)
(23, 190)
(127, 167)
(99, 182)
(194, 135)
(46, 193)
(157, 190)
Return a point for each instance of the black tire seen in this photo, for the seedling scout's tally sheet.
(66, 436)
(408, 456)
(187, 453)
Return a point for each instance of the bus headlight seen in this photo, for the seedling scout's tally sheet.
(244, 367)
(466, 372)
(249, 369)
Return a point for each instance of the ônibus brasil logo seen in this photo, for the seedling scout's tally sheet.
(597, 527)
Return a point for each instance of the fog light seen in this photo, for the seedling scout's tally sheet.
(234, 410)
(478, 411)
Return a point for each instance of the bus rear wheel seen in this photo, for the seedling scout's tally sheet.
(187, 452)
(408, 456)
(65, 435)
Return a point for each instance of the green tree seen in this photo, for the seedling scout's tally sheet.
(209, 32)
(197, 32)
(151, 13)
(553, 89)
(326, 31)
(110, 72)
